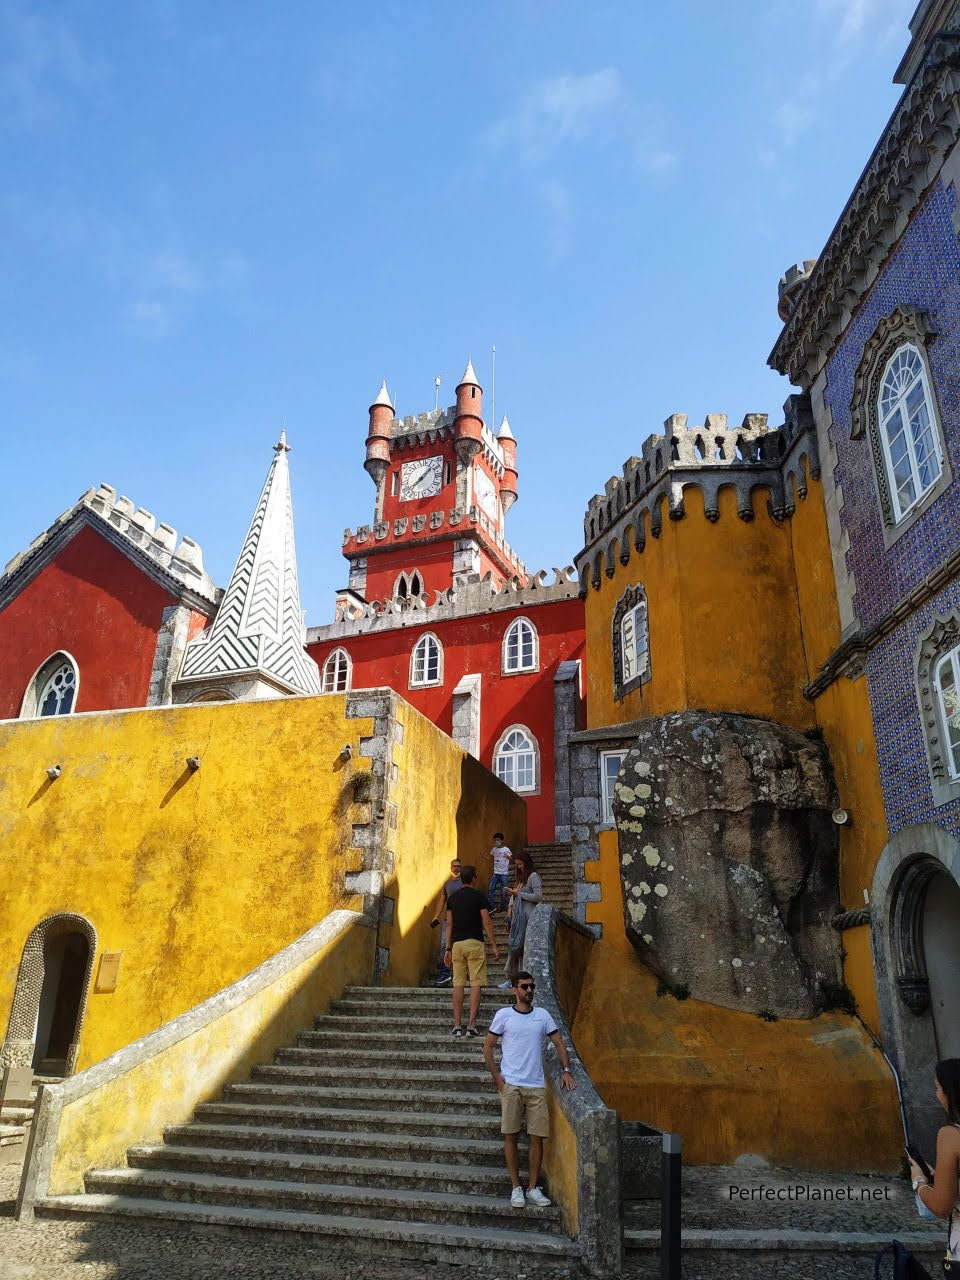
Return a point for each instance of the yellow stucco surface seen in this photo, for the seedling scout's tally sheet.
(96, 1128)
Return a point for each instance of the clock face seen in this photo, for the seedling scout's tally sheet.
(486, 493)
(421, 479)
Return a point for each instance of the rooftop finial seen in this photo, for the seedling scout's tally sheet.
(504, 432)
(281, 446)
(469, 377)
(383, 396)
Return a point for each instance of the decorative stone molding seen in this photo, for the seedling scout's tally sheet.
(707, 457)
(135, 532)
(904, 162)
(19, 1044)
(434, 526)
(844, 920)
(940, 637)
(633, 596)
(466, 713)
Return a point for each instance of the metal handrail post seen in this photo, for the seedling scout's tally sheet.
(670, 1163)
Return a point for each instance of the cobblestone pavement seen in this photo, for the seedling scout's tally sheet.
(61, 1250)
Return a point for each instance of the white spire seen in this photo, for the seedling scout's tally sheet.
(383, 396)
(256, 639)
(469, 377)
(505, 433)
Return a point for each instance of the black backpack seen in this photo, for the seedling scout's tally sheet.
(905, 1265)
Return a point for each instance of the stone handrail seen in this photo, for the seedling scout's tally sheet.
(583, 1158)
(93, 1117)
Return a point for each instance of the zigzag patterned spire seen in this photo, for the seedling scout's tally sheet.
(258, 629)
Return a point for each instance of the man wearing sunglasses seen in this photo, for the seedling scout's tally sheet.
(522, 1031)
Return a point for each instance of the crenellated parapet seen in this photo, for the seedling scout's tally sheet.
(438, 424)
(428, 526)
(470, 595)
(130, 527)
(709, 457)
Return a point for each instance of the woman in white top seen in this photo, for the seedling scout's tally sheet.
(941, 1196)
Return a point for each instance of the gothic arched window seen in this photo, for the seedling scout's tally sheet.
(948, 696)
(631, 641)
(426, 662)
(938, 692)
(908, 430)
(520, 647)
(409, 586)
(53, 690)
(516, 760)
(336, 672)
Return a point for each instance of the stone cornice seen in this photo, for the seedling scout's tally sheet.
(912, 148)
(466, 599)
(433, 526)
(152, 548)
(849, 658)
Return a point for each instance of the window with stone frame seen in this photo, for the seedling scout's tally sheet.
(610, 765)
(938, 693)
(894, 407)
(516, 760)
(520, 647)
(426, 662)
(335, 677)
(53, 690)
(631, 641)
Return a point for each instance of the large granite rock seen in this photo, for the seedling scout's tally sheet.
(729, 861)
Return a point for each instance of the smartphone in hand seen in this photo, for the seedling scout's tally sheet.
(918, 1159)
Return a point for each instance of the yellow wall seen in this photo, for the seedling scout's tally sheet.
(199, 877)
(723, 616)
(448, 806)
(163, 1089)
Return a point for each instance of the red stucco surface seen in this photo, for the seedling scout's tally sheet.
(473, 645)
(98, 606)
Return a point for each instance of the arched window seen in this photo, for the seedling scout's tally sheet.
(335, 677)
(948, 693)
(409, 586)
(631, 643)
(426, 662)
(908, 431)
(516, 760)
(53, 690)
(520, 647)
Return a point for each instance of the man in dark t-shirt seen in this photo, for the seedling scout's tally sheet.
(468, 919)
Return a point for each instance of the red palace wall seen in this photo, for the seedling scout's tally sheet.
(98, 606)
(474, 645)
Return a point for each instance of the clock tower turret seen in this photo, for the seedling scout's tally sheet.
(468, 424)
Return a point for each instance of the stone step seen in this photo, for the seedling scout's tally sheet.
(423, 1175)
(347, 1037)
(469, 1078)
(461, 1150)
(409, 1058)
(322, 1198)
(16, 1115)
(429, 1242)
(421, 995)
(782, 1240)
(412, 1012)
(395, 1024)
(355, 1096)
(358, 1119)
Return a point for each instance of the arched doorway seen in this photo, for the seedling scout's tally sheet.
(915, 922)
(50, 996)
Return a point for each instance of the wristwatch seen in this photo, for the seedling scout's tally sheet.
(919, 1182)
(567, 1071)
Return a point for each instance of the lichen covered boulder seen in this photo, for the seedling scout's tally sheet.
(729, 861)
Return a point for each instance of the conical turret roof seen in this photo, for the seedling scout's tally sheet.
(504, 432)
(383, 396)
(469, 377)
(258, 630)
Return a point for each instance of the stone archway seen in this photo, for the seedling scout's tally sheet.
(53, 984)
(915, 928)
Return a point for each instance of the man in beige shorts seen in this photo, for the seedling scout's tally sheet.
(522, 1031)
(468, 919)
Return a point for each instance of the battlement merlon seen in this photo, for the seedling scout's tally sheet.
(468, 597)
(131, 527)
(709, 456)
(435, 526)
(424, 428)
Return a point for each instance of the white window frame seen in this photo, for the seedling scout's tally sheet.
(637, 616)
(519, 668)
(501, 754)
(951, 749)
(30, 707)
(883, 420)
(423, 681)
(336, 662)
(606, 783)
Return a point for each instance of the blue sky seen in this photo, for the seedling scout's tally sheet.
(219, 217)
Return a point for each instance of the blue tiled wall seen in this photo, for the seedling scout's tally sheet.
(924, 270)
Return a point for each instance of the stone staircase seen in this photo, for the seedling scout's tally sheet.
(376, 1129)
(15, 1121)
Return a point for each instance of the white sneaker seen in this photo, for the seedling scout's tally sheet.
(517, 1200)
(536, 1196)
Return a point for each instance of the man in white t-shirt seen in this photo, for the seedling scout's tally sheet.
(522, 1031)
(500, 855)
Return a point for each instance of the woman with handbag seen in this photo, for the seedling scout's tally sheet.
(526, 894)
(942, 1195)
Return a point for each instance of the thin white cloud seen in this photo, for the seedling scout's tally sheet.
(169, 283)
(41, 61)
(658, 160)
(561, 109)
